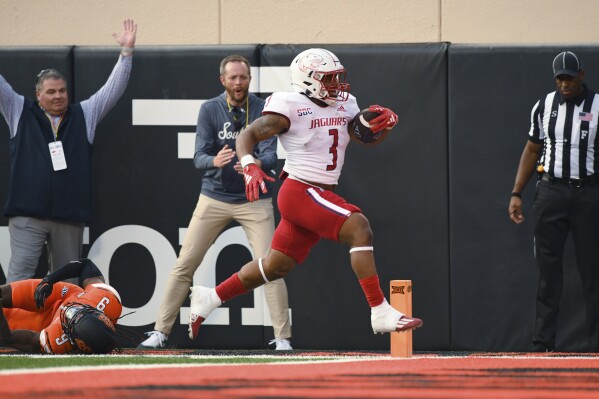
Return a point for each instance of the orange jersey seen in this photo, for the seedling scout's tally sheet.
(25, 315)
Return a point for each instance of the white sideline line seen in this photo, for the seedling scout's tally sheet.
(275, 360)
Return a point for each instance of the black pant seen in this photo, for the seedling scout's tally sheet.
(559, 209)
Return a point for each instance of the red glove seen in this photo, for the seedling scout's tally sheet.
(254, 178)
(386, 119)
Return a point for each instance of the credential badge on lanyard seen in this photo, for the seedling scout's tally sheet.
(59, 162)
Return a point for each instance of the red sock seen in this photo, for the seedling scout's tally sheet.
(230, 288)
(372, 290)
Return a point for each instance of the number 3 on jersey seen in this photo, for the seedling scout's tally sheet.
(333, 148)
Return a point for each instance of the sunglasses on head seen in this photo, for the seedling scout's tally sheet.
(41, 75)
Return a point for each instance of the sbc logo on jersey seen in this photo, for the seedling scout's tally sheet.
(304, 111)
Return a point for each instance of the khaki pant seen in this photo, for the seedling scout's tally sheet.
(209, 219)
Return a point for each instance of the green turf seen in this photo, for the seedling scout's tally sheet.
(10, 362)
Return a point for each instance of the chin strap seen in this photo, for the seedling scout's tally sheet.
(356, 249)
(262, 270)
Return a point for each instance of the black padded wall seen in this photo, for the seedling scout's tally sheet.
(436, 193)
(145, 191)
(400, 185)
(493, 274)
(141, 182)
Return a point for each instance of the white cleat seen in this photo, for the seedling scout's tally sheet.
(203, 301)
(387, 319)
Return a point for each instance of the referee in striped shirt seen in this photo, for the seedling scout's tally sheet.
(562, 149)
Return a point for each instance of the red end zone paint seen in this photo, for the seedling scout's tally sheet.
(417, 377)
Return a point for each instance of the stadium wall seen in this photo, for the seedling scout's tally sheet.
(200, 22)
(436, 193)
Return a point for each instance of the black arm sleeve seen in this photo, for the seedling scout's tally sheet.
(82, 269)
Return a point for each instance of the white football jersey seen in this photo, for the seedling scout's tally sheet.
(317, 137)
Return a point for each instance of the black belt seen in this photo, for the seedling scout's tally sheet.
(583, 181)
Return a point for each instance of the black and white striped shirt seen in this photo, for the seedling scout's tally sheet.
(568, 131)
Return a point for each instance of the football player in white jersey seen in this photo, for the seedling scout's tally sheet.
(311, 124)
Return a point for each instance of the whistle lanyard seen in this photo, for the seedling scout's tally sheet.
(247, 110)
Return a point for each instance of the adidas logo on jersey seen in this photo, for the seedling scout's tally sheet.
(341, 109)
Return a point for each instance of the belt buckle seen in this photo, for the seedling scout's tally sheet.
(548, 178)
(575, 183)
